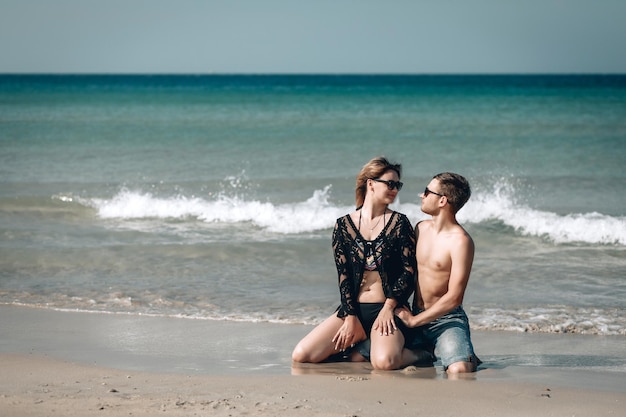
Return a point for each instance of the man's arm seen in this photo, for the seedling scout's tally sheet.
(462, 257)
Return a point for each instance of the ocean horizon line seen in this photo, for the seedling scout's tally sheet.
(375, 80)
(314, 74)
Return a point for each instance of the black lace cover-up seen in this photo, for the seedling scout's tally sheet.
(394, 246)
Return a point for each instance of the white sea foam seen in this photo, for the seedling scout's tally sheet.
(500, 204)
(551, 319)
(318, 213)
(547, 319)
(315, 213)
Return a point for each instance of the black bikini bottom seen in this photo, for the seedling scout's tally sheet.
(367, 314)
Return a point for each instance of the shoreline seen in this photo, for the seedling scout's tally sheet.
(86, 363)
(191, 346)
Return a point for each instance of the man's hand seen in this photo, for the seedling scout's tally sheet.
(406, 316)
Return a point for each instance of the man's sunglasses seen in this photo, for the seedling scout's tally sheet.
(427, 191)
(390, 183)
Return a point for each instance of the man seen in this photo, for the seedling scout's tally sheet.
(444, 252)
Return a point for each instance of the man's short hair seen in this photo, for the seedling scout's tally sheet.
(455, 187)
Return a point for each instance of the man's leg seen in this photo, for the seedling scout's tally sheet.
(453, 343)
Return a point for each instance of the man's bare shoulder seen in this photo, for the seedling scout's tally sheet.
(423, 225)
(462, 238)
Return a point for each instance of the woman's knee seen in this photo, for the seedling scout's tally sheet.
(298, 355)
(386, 352)
(385, 362)
(301, 355)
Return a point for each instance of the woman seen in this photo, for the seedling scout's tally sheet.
(375, 257)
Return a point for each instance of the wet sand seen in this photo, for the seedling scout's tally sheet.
(77, 364)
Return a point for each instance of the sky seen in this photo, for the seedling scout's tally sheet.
(313, 36)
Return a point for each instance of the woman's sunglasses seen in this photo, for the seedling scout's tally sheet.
(390, 183)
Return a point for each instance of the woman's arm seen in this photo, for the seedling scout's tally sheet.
(348, 298)
(404, 285)
(351, 331)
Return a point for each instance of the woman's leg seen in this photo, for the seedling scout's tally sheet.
(388, 352)
(317, 346)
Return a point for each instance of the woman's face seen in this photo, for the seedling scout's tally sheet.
(381, 191)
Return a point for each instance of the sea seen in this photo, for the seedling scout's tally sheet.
(213, 197)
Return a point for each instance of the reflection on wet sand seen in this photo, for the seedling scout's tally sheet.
(360, 370)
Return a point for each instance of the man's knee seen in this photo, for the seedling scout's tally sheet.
(461, 368)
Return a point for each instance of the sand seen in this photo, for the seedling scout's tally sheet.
(76, 364)
(34, 386)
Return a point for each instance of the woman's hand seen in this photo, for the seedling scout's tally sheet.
(349, 334)
(385, 322)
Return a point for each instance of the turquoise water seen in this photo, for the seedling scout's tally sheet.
(214, 196)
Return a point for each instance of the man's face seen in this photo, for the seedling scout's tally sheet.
(431, 197)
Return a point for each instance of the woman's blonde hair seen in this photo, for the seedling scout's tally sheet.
(375, 168)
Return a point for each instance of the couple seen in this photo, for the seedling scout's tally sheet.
(378, 254)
